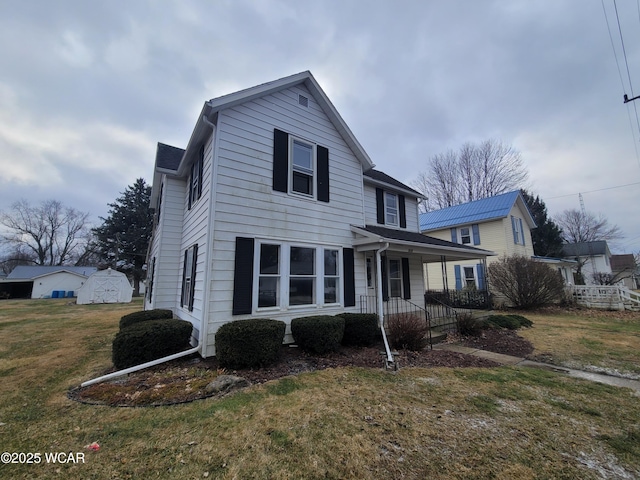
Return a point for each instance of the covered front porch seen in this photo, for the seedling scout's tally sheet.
(395, 282)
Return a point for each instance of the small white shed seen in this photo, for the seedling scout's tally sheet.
(105, 286)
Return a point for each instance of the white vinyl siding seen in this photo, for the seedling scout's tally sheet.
(247, 205)
(411, 207)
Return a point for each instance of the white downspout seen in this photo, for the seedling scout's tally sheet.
(142, 366)
(389, 359)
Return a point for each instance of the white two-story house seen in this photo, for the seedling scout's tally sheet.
(274, 210)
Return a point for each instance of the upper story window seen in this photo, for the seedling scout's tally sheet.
(302, 167)
(390, 209)
(518, 230)
(195, 179)
(467, 235)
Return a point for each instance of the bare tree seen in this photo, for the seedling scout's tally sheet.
(473, 172)
(578, 227)
(51, 232)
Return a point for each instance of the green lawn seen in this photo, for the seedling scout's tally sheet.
(501, 423)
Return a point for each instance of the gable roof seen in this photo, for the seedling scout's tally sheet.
(215, 105)
(168, 157)
(623, 262)
(24, 272)
(498, 206)
(377, 177)
(584, 249)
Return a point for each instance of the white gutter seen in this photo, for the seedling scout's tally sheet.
(389, 358)
(204, 327)
(142, 366)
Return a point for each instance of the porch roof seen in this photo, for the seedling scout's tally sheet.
(371, 237)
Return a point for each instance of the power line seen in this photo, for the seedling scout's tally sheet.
(592, 191)
(615, 55)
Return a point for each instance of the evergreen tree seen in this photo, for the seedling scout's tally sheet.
(547, 237)
(123, 238)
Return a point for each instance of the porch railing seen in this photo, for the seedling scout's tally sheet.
(466, 298)
(396, 306)
(612, 297)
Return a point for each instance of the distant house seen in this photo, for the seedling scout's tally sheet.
(39, 281)
(625, 270)
(274, 210)
(501, 223)
(593, 258)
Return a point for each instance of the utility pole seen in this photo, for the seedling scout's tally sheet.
(589, 246)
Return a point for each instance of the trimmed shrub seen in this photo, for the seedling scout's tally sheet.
(150, 340)
(249, 343)
(512, 322)
(407, 331)
(144, 316)
(468, 325)
(360, 329)
(319, 334)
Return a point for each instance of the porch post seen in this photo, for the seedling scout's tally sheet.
(443, 266)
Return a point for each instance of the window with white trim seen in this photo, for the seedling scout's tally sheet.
(331, 275)
(269, 276)
(302, 276)
(302, 167)
(395, 278)
(295, 275)
(469, 277)
(465, 235)
(390, 208)
(518, 230)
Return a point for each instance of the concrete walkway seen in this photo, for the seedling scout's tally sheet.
(523, 362)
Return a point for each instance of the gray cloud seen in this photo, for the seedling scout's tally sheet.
(88, 88)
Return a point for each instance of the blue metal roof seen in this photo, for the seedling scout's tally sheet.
(482, 210)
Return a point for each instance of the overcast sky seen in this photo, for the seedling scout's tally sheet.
(87, 89)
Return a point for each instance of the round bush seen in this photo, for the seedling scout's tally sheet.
(150, 340)
(318, 334)
(249, 343)
(144, 316)
(360, 329)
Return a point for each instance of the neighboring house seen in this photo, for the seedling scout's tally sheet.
(625, 270)
(501, 224)
(592, 257)
(26, 281)
(274, 210)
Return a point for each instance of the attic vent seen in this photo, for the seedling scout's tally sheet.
(302, 100)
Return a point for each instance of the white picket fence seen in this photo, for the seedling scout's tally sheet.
(606, 297)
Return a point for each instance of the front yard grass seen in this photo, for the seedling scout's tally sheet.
(601, 341)
(501, 423)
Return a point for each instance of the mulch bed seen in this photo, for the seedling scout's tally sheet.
(173, 377)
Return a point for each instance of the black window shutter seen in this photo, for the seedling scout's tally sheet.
(323, 173)
(184, 277)
(193, 277)
(243, 277)
(403, 211)
(200, 170)
(385, 280)
(349, 277)
(190, 188)
(406, 284)
(280, 160)
(380, 205)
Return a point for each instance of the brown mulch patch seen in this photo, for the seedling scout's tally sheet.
(184, 380)
(507, 342)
